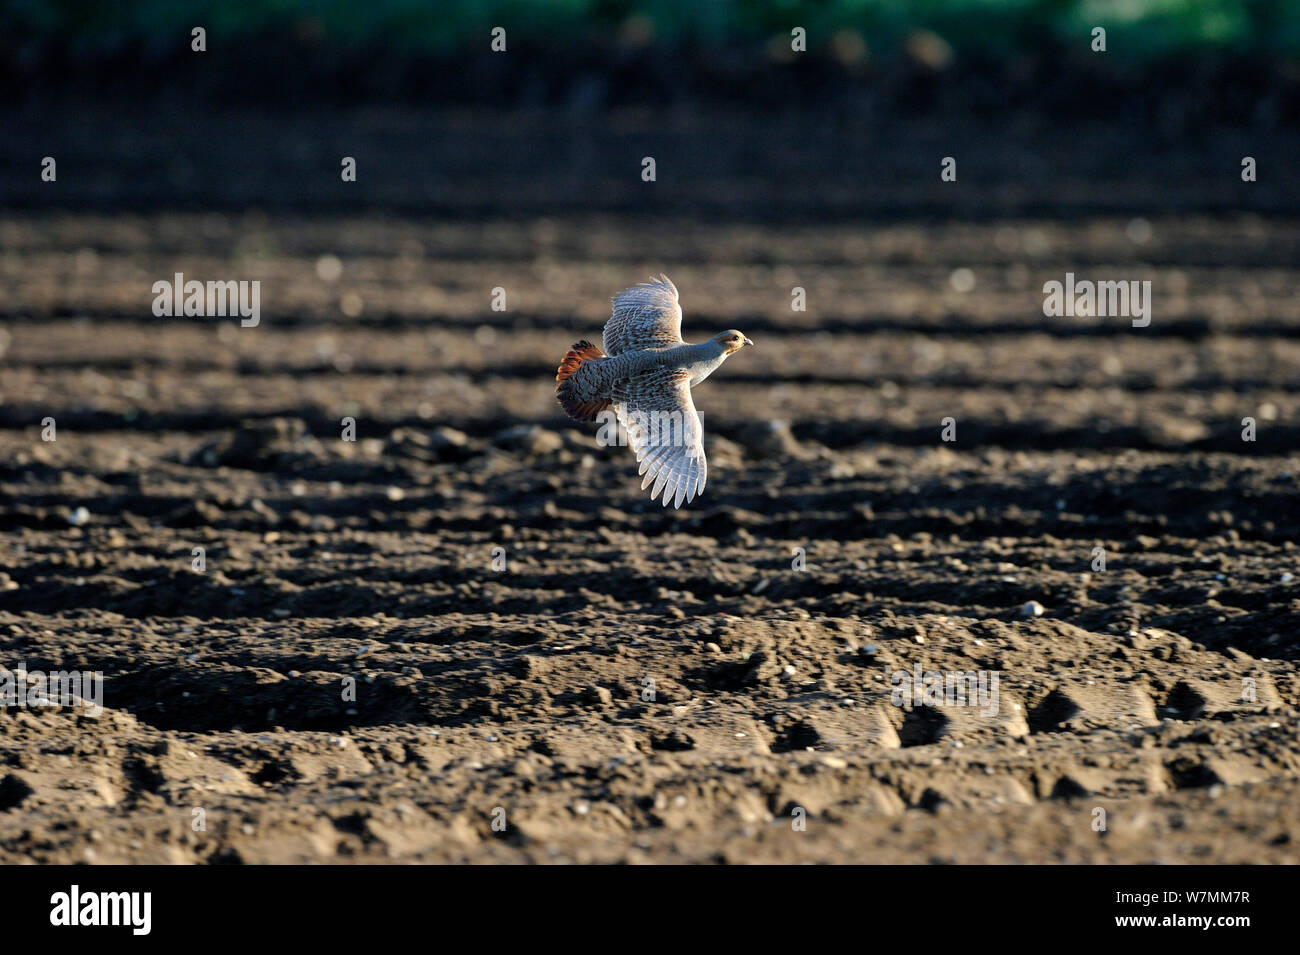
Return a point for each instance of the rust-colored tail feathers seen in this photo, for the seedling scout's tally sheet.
(575, 404)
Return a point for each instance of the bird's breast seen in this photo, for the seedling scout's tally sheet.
(704, 369)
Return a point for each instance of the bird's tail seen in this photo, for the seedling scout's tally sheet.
(580, 395)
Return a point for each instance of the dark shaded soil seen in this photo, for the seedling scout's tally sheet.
(635, 684)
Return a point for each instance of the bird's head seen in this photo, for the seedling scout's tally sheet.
(731, 341)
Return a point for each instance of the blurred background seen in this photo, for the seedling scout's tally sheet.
(739, 122)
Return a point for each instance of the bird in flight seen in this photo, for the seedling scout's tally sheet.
(646, 374)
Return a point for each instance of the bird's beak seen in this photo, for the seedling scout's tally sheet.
(748, 342)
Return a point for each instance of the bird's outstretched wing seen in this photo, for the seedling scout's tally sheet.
(664, 430)
(644, 316)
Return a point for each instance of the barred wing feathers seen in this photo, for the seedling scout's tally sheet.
(664, 430)
(644, 316)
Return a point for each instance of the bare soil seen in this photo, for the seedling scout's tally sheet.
(642, 685)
